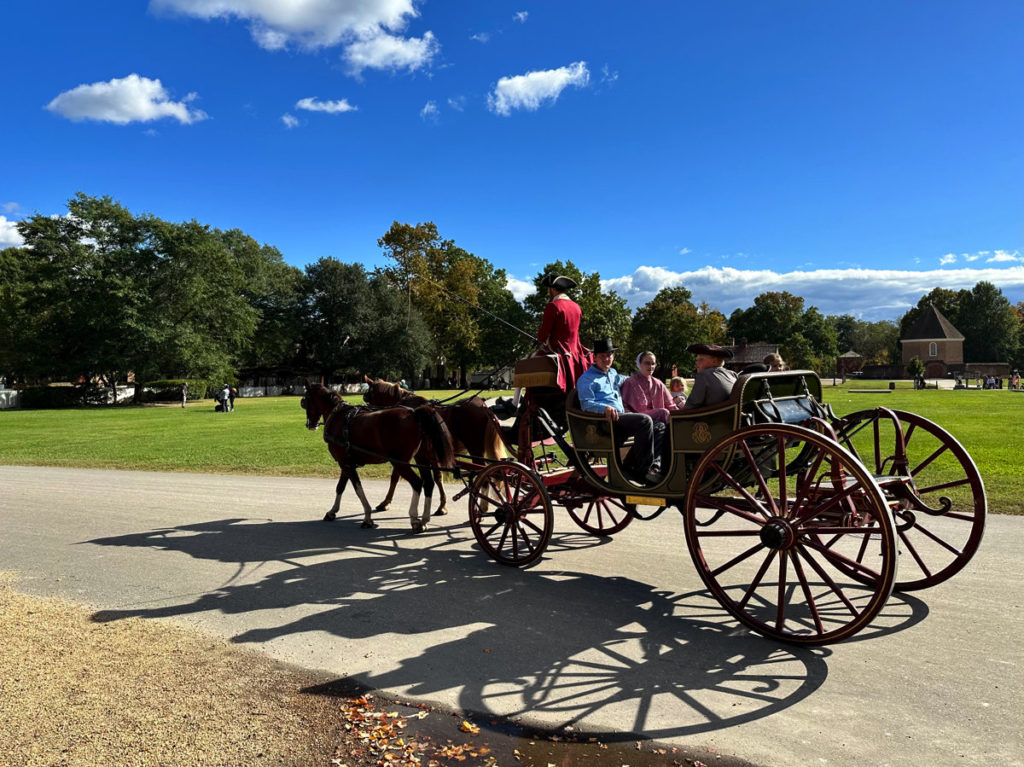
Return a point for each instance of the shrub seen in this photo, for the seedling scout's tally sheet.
(53, 397)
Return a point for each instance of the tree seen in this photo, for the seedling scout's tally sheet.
(338, 316)
(16, 333)
(989, 324)
(275, 290)
(669, 322)
(443, 283)
(114, 294)
(772, 319)
(604, 315)
(807, 338)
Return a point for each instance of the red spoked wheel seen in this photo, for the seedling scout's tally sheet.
(604, 515)
(791, 533)
(510, 513)
(941, 520)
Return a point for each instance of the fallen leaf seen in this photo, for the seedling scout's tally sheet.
(469, 727)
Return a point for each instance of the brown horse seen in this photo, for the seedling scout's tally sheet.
(474, 430)
(410, 439)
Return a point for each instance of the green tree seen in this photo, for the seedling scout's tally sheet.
(339, 317)
(989, 324)
(604, 314)
(443, 282)
(670, 322)
(114, 294)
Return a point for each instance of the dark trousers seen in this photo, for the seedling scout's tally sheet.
(641, 428)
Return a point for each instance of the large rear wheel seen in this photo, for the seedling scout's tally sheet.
(510, 513)
(942, 504)
(791, 533)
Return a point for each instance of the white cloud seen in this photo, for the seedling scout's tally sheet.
(430, 111)
(521, 16)
(872, 294)
(607, 75)
(684, 251)
(289, 121)
(1003, 256)
(331, 107)
(8, 234)
(949, 258)
(10, 207)
(520, 289)
(274, 24)
(390, 52)
(122, 101)
(458, 104)
(480, 37)
(531, 90)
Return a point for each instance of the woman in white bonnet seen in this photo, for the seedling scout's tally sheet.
(643, 393)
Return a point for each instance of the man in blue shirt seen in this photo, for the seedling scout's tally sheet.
(598, 391)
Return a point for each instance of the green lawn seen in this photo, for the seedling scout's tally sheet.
(267, 436)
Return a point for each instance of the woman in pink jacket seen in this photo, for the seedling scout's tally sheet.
(643, 393)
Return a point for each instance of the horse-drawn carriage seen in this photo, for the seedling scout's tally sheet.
(800, 522)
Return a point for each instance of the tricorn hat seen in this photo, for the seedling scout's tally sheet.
(604, 346)
(712, 350)
(558, 282)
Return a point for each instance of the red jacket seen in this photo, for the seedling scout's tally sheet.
(560, 330)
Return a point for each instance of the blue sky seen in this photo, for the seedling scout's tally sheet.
(857, 154)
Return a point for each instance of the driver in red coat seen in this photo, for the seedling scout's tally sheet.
(560, 331)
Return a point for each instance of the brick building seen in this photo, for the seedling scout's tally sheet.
(934, 341)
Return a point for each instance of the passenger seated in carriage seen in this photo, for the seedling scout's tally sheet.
(713, 382)
(599, 391)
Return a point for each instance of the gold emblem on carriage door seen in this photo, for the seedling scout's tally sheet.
(701, 433)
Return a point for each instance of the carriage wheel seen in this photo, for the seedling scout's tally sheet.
(939, 539)
(799, 550)
(604, 515)
(510, 512)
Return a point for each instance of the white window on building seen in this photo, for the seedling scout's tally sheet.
(933, 349)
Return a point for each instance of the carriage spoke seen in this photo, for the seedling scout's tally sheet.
(780, 614)
(841, 559)
(804, 497)
(761, 483)
(914, 553)
(742, 490)
(929, 534)
(828, 580)
(737, 559)
(943, 486)
(921, 466)
(756, 581)
(806, 587)
(722, 504)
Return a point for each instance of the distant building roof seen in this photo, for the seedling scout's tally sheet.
(851, 355)
(932, 324)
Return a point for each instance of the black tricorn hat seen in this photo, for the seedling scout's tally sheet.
(558, 282)
(712, 350)
(604, 346)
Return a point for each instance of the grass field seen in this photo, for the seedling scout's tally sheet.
(267, 436)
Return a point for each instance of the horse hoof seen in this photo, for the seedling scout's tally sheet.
(330, 516)
(383, 507)
(368, 525)
(418, 527)
(440, 512)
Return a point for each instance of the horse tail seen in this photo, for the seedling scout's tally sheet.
(440, 438)
(494, 445)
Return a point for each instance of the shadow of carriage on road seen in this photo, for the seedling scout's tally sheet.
(545, 643)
